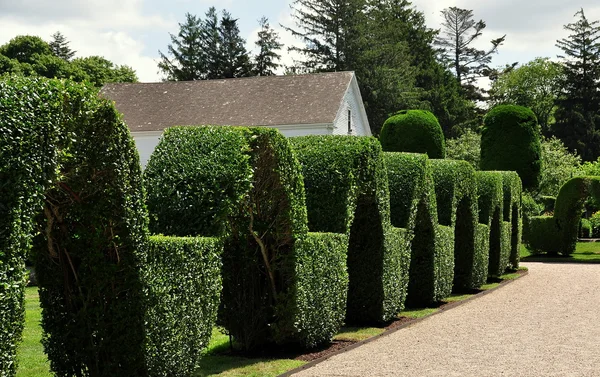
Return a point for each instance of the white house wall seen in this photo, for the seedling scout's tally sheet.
(145, 143)
(352, 101)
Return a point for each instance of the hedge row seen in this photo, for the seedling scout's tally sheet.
(511, 186)
(347, 192)
(69, 162)
(182, 277)
(558, 233)
(250, 181)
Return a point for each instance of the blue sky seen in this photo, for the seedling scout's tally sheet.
(132, 31)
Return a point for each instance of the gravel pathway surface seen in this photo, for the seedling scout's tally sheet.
(544, 324)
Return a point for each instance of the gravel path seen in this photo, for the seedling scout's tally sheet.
(544, 324)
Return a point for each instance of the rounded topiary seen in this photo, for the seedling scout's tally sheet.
(415, 131)
(510, 141)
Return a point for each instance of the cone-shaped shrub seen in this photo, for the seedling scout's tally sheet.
(491, 204)
(280, 284)
(347, 192)
(510, 142)
(416, 131)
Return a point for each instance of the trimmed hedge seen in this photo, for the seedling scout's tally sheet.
(512, 213)
(510, 142)
(491, 204)
(416, 131)
(456, 193)
(255, 191)
(28, 131)
(347, 192)
(558, 234)
(94, 229)
(183, 284)
(481, 260)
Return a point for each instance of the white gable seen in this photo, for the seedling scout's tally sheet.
(353, 109)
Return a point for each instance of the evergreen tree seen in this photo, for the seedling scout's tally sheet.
(266, 61)
(60, 46)
(460, 30)
(235, 61)
(578, 106)
(188, 61)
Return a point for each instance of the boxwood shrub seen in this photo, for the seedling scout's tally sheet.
(491, 206)
(347, 192)
(585, 228)
(182, 277)
(482, 246)
(456, 193)
(246, 185)
(510, 142)
(416, 131)
(512, 213)
(29, 109)
(92, 228)
(558, 233)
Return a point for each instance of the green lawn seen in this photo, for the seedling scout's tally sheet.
(216, 361)
(585, 252)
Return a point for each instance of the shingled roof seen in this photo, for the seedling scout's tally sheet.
(255, 101)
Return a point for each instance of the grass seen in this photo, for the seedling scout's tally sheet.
(216, 360)
(585, 252)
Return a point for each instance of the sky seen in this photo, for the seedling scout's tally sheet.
(132, 32)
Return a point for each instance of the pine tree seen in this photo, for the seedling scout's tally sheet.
(578, 106)
(460, 30)
(60, 46)
(235, 61)
(188, 60)
(266, 61)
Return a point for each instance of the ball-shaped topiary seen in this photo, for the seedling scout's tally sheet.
(510, 141)
(415, 131)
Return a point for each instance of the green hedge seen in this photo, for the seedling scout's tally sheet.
(558, 234)
(28, 131)
(512, 213)
(416, 131)
(347, 192)
(456, 193)
(246, 185)
(481, 260)
(491, 204)
(216, 157)
(182, 277)
(510, 142)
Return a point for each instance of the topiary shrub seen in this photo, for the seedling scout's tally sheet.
(595, 223)
(491, 204)
(347, 192)
(510, 142)
(456, 194)
(413, 206)
(511, 187)
(558, 234)
(183, 284)
(415, 131)
(28, 130)
(246, 185)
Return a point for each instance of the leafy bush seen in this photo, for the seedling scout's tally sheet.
(74, 163)
(255, 198)
(585, 228)
(558, 166)
(28, 131)
(415, 131)
(510, 142)
(481, 258)
(558, 233)
(491, 201)
(347, 192)
(511, 187)
(466, 147)
(183, 283)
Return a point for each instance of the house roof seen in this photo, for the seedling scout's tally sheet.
(255, 101)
